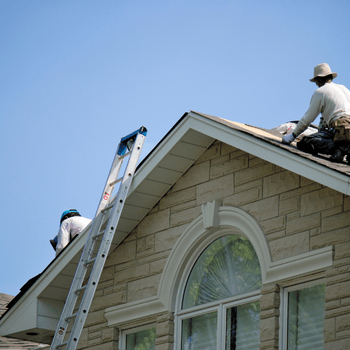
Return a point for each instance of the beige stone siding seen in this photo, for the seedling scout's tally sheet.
(296, 214)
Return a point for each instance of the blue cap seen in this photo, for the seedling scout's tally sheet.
(69, 213)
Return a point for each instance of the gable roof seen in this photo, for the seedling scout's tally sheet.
(43, 296)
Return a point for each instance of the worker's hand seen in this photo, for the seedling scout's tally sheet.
(287, 139)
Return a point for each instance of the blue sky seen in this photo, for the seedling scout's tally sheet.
(76, 76)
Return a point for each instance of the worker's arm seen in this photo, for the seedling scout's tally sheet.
(62, 238)
(316, 105)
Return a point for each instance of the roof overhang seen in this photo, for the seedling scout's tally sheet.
(39, 308)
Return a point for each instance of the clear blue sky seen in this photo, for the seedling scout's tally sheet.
(76, 76)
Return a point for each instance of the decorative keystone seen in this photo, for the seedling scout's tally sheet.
(210, 213)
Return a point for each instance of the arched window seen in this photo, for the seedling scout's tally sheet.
(220, 305)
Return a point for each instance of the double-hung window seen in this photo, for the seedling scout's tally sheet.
(303, 317)
(220, 306)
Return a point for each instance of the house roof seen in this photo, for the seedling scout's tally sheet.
(45, 294)
(275, 138)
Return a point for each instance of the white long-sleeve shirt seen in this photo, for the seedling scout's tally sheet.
(332, 100)
(68, 229)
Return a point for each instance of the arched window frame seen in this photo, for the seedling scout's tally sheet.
(219, 306)
(192, 260)
(215, 222)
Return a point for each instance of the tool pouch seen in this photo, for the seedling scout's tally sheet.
(342, 129)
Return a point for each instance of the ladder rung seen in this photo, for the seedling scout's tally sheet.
(98, 234)
(124, 155)
(116, 181)
(62, 344)
(109, 206)
(79, 289)
(88, 262)
(71, 316)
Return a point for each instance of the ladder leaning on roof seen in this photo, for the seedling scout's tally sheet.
(96, 251)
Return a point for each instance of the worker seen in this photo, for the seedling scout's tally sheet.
(333, 102)
(71, 224)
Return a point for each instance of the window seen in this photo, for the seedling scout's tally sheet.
(303, 317)
(220, 306)
(139, 339)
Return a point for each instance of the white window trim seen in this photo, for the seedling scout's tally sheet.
(236, 300)
(124, 333)
(228, 306)
(178, 333)
(283, 338)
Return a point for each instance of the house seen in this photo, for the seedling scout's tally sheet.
(228, 238)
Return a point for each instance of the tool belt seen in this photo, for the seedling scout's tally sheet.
(342, 129)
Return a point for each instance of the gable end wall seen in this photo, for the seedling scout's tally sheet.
(297, 215)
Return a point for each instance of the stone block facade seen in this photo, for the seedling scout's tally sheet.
(296, 214)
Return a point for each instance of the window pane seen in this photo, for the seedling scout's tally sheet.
(228, 267)
(199, 333)
(243, 327)
(143, 340)
(306, 318)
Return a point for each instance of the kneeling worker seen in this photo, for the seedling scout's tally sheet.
(71, 224)
(333, 102)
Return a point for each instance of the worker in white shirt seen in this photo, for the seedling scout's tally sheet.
(71, 224)
(333, 102)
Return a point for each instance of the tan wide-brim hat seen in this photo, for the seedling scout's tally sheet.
(322, 70)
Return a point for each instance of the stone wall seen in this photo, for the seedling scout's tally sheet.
(296, 214)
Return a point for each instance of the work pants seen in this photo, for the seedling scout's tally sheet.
(319, 142)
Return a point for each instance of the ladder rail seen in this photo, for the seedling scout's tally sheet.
(101, 257)
(88, 290)
(108, 189)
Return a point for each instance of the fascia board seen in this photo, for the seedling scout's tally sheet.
(272, 154)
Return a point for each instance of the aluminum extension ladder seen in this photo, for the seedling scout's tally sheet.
(96, 251)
